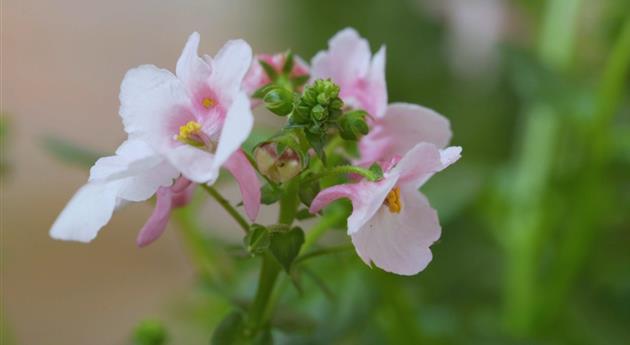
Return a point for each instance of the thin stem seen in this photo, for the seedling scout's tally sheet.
(289, 202)
(324, 251)
(342, 170)
(227, 206)
(325, 223)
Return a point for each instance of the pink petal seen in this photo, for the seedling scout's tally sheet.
(156, 224)
(238, 165)
(423, 161)
(366, 197)
(399, 243)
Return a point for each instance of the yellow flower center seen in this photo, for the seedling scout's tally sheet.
(392, 201)
(189, 133)
(208, 103)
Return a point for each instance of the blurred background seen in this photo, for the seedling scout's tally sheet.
(535, 216)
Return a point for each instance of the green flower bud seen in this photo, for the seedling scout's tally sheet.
(319, 113)
(279, 101)
(352, 125)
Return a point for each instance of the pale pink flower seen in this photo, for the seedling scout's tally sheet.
(184, 126)
(360, 76)
(392, 225)
(256, 76)
(395, 128)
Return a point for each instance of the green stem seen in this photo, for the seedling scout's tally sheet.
(289, 202)
(324, 251)
(227, 206)
(343, 170)
(264, 300)
(259, 311)
(325, 223)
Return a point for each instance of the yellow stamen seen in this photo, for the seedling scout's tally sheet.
(208, 103)
(393, 201)
(189, 131)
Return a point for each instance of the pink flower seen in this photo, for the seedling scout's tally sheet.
(392, 225)
(395, 128)
(256, 76)
(361, 77)
(185, 127)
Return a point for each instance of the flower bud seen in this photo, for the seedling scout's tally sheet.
(278, 167)
(279, 101)
(352, 125)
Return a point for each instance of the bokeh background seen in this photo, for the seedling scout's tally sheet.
(535, 217)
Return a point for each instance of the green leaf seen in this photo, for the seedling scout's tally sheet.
(68, 152)
(231, 331)
(285, 246)
(304, 214)
(308, 192)
(257, 239)
(288, 63)
(300, 80)
(271, 72)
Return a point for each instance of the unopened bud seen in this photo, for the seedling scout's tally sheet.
(352, 125)
(277, 167)
(279, 101)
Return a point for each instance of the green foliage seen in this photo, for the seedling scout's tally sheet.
(150, 332)
(69, 152)
(285, 246)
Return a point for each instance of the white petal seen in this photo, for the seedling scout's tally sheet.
(144, 184)
(131, 157)
(191, 69)
(230, 65)
(399, 243)
(238, 124)
(149, 100)
(87, 212)
(195, 164)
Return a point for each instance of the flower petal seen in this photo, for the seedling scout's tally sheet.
(191, 69)
(238, 165)
(367, 198)
(87, 212)
(156, 224)
(230, 65)
(149, 100)
(423, 161)
(239, 122)
(347, 58)
(195, 164)
(374, 94)
(399, 243)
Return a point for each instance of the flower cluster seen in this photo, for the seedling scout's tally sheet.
(183, 128)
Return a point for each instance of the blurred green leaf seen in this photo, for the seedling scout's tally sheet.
(285, 246)
(150, 332)
(69, 152)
